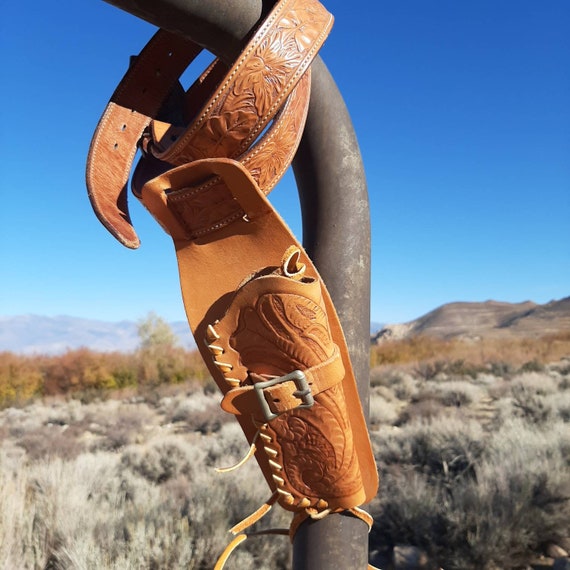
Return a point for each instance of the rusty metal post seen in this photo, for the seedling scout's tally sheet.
(336, 227)
(336, 233)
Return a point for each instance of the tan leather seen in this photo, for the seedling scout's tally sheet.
(212, 268)
(254, 300)
(238, 110)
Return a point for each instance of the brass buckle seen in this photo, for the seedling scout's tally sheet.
(303, 392)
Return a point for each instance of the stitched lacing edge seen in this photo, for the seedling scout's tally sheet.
(319, 511)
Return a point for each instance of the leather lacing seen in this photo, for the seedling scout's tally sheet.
(292, 268)
(240, 536)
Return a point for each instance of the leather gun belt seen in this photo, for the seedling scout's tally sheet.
(262, 318)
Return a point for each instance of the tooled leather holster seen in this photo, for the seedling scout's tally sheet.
(261, 315)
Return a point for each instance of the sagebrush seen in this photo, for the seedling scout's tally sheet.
(474, 461)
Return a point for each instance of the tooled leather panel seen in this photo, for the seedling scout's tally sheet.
(268, 160)
(257, 85)
(211, 206)
(317, 449)
(280, 333)
(206, 208)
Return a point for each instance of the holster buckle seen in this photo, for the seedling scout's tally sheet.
(303, 392)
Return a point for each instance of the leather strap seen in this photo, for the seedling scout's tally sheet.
(276, 58)
(285, 395)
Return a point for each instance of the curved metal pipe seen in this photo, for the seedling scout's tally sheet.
(336, 226)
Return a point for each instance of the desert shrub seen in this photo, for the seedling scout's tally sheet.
(409, 511)
(431, 399)
(562, 366)
(509, 495)
(201, 412)
(95, 511)
(383, 392)
(20, 380)
(564, 383)
(534, 383)
(443, 447)
(430, 370)
(163, 459)
(560, 404)
(528, 393)
(379, 377)
(423, 409)
(382, 411)
(405, 387)
(500, 368)
(227, 448)
(51, 441)
(532, 407)
(532, 366)
(518, 500)
(461, 367)
(457, 393)
(126, 426)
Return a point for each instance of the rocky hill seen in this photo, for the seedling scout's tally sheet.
(490, 319)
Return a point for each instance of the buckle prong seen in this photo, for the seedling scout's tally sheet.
(303, 392)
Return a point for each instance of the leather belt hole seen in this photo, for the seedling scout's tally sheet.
(116, 146)
(124, 128)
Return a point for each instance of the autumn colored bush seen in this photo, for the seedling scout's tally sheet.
(85, 374)
(430, 355)
(20, 379)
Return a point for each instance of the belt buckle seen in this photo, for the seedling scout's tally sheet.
(303, 392)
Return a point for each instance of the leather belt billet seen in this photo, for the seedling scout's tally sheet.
(227, 123)
(254, 300)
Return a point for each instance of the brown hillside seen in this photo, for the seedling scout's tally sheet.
(491, 319)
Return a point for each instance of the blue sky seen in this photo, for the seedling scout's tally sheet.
(462, 113)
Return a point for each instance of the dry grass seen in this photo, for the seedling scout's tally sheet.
(474, 459)
(476, 467)
(143, 495)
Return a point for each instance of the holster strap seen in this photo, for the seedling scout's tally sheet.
(284, 394)
(269, 81)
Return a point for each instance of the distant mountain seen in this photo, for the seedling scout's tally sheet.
(491, 319)
(33, 334)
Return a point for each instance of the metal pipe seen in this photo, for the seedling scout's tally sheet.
(336, 233)
(336, 227)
